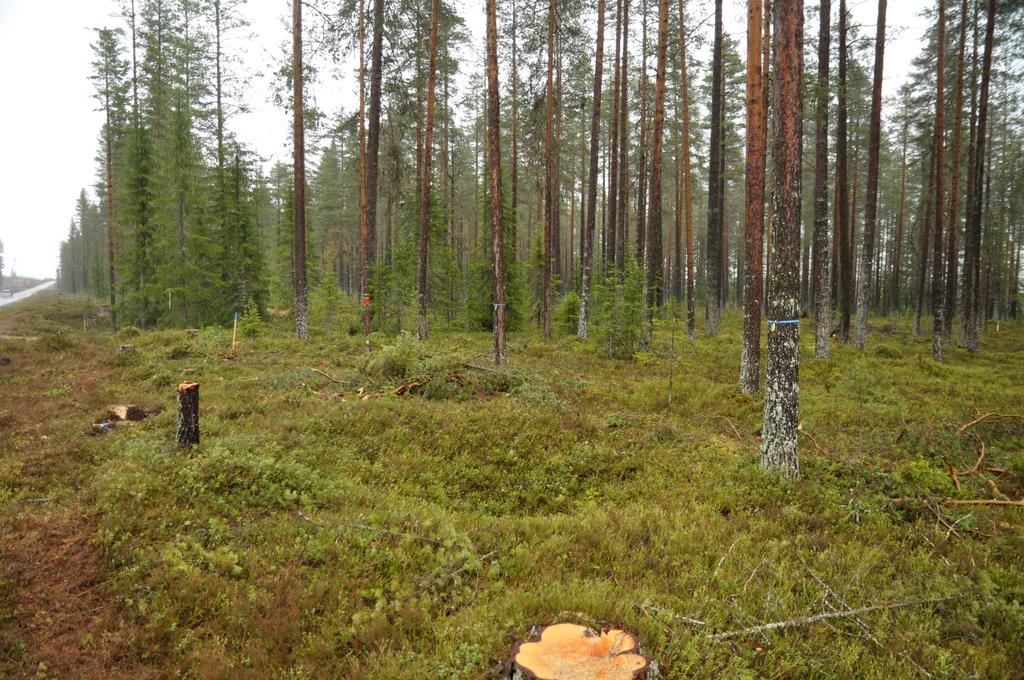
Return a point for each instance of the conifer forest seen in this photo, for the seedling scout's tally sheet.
(555, 340)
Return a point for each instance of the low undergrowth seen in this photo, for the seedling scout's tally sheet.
(411, 512)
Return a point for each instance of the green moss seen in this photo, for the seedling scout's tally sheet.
(315, 533)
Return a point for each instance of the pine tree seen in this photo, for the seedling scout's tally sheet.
(299, 224)
(110, 73)
(421, 279)
(938, 286)
(822, 297)
(691, 314)
(716, 197)
(652, 257)
(587, 238)
(972, 250)
(750, 362)
(871, 201)
(781, 405)
(842, 247)
(494, 153)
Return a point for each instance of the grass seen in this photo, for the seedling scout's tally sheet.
(316, 534)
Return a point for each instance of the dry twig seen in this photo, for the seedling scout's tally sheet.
(986, 417)
(326, 375)
(825, 616)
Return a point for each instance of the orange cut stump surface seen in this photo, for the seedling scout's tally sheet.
(567, 651)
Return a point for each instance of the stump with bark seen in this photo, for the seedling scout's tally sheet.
(188, 415)
(566, 651)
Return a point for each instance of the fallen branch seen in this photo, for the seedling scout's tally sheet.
(396, 534)
(984, 501)
(732, 425)
(326, 375)
(482, 368)
(986, 417)
(954, 476)
(821, 449)
(398, 391)
(818, 618)
(652, 611)
(427, 582)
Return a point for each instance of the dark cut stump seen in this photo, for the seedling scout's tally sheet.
(188, 415)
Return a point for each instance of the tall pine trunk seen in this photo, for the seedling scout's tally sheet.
(938, 287)
(925, 239)
(587, 237)
(556, 173)
(428, 135)
(781, 404)
(750, 361)
(623, 128)
(949, 310)
(494, 154)
(299, 225)
(515, 115)
(972, 290)
(845, 279)
(867, 260)
(895, 301)
(368, 207)
(822, 294)
(713, 297)
(364, 228)
(611, 213)
(652, 253)
(691, 314)
(549, 172)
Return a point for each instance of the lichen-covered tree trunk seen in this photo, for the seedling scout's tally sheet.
(494, 153)
(781, 405)
(299, 225)
(938, 287)
(713, 296)
(428, 135)
(822, 296)
(871, 199)
(750, 359)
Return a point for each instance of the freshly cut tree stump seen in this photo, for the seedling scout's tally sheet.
(188, 414)
(128, 412)
(566, 651)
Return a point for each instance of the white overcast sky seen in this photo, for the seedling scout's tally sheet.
(49, 127)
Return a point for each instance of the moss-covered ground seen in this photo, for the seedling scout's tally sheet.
(328, 527)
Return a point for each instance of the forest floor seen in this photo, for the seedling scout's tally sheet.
(411, 514)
